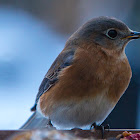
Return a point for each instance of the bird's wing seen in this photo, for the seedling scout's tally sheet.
(64, 59)
(35, 122)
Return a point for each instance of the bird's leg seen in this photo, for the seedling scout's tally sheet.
(100, 127)
(107, 127)
(49, 123)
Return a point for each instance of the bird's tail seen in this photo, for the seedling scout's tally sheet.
(35, 121)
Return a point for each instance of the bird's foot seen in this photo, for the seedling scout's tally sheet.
(100, 127)
(107, 127)
(49, 125)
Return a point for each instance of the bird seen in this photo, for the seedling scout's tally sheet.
(87, 79)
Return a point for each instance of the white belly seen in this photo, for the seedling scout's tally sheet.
(81, 115)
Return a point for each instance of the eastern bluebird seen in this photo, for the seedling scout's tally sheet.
(87, 79)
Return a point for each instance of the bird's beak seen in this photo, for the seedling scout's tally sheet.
(133, 35)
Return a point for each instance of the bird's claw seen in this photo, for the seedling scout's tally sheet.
(100, 127)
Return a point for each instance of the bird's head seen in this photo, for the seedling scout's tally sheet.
(109, 33)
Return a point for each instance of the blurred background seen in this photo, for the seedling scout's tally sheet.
(33, 33)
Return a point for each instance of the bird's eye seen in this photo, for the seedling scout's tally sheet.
(111, 33)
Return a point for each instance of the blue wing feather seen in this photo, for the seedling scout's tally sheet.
(64, 59)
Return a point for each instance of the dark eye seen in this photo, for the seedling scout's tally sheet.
(112, 33)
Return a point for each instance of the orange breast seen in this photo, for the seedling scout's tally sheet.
(90, 74)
